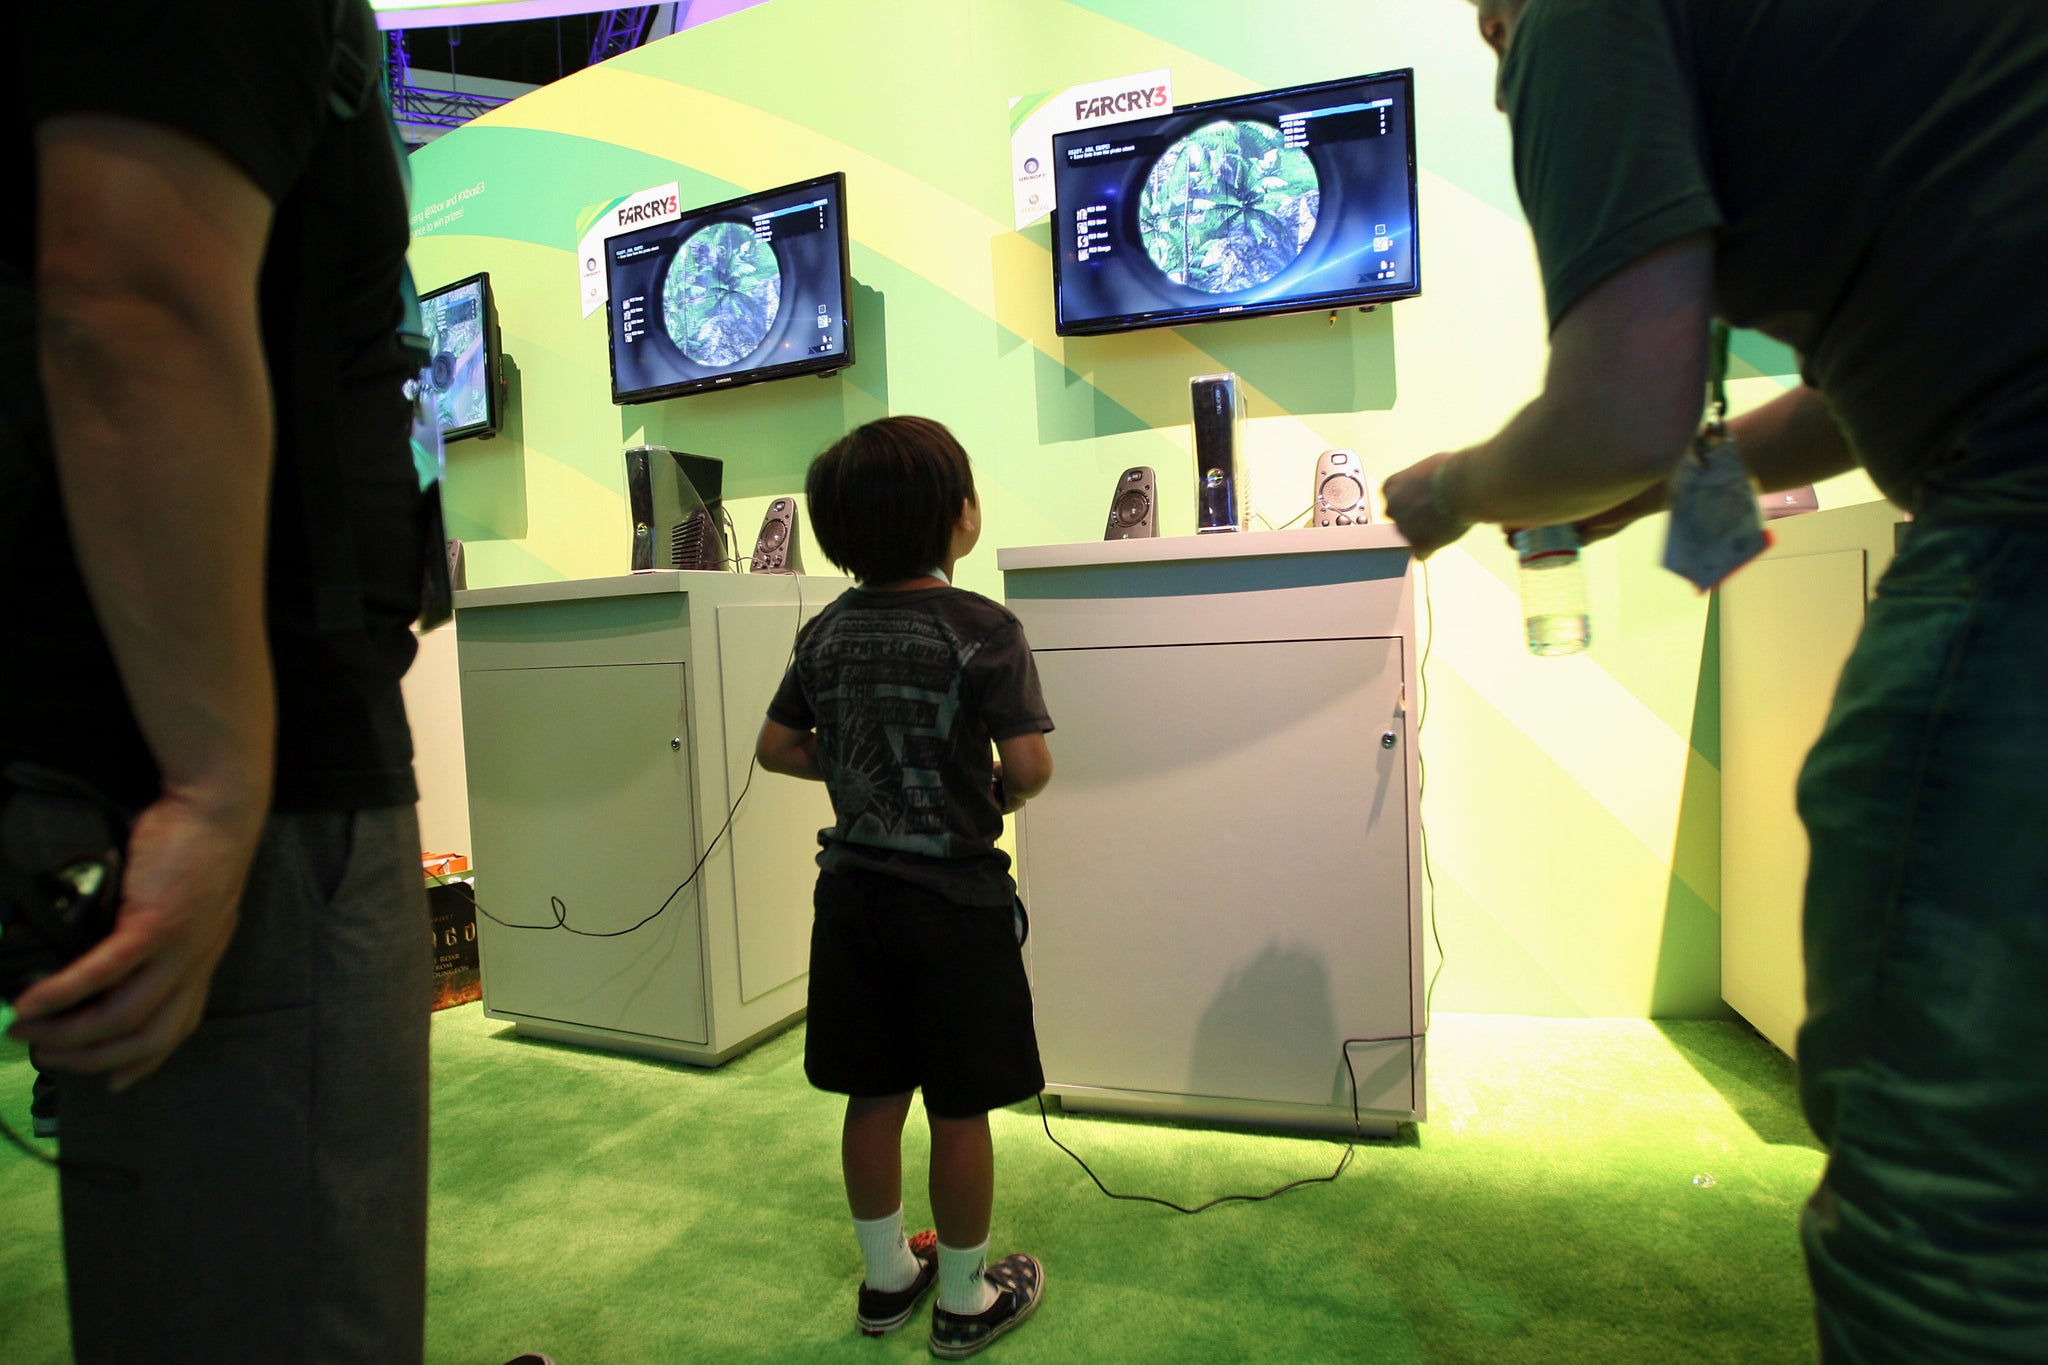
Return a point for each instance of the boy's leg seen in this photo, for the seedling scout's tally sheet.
(978, 1302)
(871, 1154)
(963, 1190)
(963, 1179)
(871, 1158)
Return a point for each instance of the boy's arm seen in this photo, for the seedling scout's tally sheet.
(1023, 767)
(793, 753)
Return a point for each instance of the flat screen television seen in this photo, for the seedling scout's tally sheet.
(464, 376)
(1279, 202)
(754, 288)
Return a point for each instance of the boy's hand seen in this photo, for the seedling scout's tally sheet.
(793, 753)
(1005, 802)
(1023, 767)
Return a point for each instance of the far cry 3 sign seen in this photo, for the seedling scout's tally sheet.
(1035, 118)
(1125, 103)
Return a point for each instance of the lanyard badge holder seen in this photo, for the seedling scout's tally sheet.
(1716, 523)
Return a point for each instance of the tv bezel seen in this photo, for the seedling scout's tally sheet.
(1225, 312)
(494, 360)
(817, 365)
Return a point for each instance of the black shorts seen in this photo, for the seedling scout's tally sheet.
(910, 990)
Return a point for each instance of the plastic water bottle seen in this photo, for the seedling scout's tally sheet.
(1553, 590)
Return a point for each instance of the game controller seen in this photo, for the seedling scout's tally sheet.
(61, 860)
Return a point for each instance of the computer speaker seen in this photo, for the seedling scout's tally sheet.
(775, 548)
(1132, 515)
(1220, 493)
(458, 568)
(1342, 498)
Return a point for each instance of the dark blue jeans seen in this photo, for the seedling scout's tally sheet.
(1924, 1057)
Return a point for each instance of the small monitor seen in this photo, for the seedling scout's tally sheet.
(464, 378)
(751, 289)
(1279, 202)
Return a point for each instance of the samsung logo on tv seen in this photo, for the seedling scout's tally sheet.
(1123, 102)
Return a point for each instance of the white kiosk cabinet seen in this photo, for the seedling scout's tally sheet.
(1787, 625)
(1224, 876)
(608, 729)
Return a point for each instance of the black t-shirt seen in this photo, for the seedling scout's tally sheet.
(907, 691)
(1874, 174)
(254, 80)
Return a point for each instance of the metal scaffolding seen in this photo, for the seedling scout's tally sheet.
(621, 31)
(429, 108)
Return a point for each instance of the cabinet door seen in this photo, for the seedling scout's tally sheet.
(1788, 626)
(1218, 875)
(774, 832)
(580, 792)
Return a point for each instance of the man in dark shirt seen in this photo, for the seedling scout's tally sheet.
(211, 539)
(1864, 183)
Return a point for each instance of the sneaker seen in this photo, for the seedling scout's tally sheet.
(1019, 1282)
(42, 1107)
(881, 1313)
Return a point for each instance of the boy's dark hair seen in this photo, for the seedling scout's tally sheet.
(884, 498)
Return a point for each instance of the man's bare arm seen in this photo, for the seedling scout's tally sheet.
(1789, 442)
(149, 248)
(1621, 398)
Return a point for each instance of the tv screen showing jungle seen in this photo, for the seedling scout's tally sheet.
(751, 289)
(1277, 202)
(462, 338)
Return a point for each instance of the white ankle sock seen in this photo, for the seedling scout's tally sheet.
(890, 1264)
(963, 1284)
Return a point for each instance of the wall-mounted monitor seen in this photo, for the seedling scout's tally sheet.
(751, 289)
(1279, 202)
(465, 376)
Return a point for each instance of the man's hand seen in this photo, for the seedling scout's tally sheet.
(126, 1005)
(1418, 504)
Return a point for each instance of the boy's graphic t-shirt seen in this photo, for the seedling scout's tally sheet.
(906, 691)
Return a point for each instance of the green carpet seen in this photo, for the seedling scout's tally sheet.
(612, 1210)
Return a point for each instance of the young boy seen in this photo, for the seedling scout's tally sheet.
(892, 699)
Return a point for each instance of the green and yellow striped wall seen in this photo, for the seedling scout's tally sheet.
(1572, 805)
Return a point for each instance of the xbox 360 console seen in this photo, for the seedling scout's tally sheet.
(675, 501)
(1132, 511)
(775, 548)
(1220, 494)
(1342, 498)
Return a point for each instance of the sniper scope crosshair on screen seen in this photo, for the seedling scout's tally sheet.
(1228, 206)
(1276, 202)
(755, 288)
